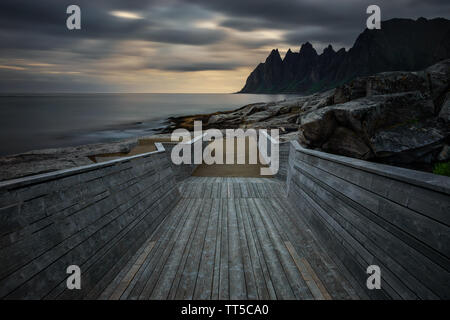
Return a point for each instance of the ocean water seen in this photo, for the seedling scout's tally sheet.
(31, 122)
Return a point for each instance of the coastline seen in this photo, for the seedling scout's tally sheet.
(51, 159)
(48, 160)
(369, 118)
(57, 121)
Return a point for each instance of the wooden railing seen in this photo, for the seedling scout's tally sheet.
(95, 217)
(372, 214)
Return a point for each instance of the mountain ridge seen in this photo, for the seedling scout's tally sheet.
(400, 45)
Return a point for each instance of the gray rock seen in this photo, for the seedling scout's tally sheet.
(285, 121)
(317, 101)
(345, 142)
(259, 116)
(439, 79)
(353, 90)
(410, 140)
(363, 116)
(253, 108)
(47, 160)
(367, 115)
(289, 136)
(316, 127)
(220, 119)
(433, 81)
(444, 155)
(385, 116)
(444, 114)
(396, 82)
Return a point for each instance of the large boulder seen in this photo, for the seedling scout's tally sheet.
(345, 142)
(355, 89)
(378, 126)
(400, 118)
(316, 127)
(416, 142)
(433, 81)
(364, 116)
(444, 114)
(367, 115)
(396, 82)
(317, 101)
(444, 154)
(439, 80)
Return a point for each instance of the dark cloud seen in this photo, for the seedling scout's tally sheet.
(185, 36)
(35, 30)
(197, 66)
(337, 19)
(245, 24)
(285, 14)
(46, 18)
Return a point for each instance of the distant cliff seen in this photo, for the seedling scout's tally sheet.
(401, 44)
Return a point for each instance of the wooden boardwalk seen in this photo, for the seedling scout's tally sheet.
(231, 238)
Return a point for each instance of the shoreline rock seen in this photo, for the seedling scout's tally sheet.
(48, 160)
(398, 118)
(401, 117)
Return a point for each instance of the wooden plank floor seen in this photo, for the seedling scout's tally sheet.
(231, 238)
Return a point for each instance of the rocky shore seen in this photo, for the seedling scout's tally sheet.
(398, 118)
(48, 160)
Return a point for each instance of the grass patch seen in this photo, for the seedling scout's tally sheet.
(442, 168)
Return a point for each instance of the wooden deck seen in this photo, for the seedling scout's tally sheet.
(232, 170)
(231, 238)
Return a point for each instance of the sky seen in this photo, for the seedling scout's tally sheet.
(171, 46)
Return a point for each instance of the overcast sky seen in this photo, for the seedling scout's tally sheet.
(171, 45)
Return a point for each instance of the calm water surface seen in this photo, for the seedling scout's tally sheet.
(30, 122)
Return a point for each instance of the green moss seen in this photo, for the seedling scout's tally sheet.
(442, 168)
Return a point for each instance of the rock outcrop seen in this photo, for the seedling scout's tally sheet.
(48, 160)
(444, 114)
(401, 44)
(399, 118)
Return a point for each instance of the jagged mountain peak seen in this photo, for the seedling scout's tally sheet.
(328, 50)
(307, 48)
(400, 45)
(274, 56)
(290, 57)
(274, 51)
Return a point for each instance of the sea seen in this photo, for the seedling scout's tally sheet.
(40, 121)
